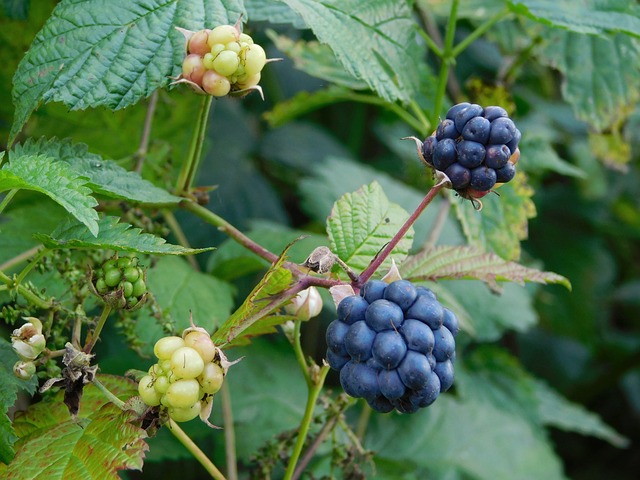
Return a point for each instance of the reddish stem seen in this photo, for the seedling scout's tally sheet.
(382, 256)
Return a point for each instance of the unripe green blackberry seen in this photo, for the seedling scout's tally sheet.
(120, 282)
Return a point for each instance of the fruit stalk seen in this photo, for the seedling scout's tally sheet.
(92, 338)
(381, 257)
(199, 455)
(190, 167)
(447, 60)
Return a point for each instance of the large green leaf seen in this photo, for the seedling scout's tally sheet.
(101, 442)
(494, 377)
(388, 61)
(583, 16)
(115, 236)
(109, 52)
(273, 12)
(105, 177)
(57, 180)
(362, 223)
(503, 221)
(451, 262)
(479, 441)
(600, 73)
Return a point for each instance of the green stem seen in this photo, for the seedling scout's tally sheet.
(176, 229)
(199, 455)
(28, 295)
(190, 167)
(297, 348)
(93, 336)
(430, 43)
(478, 32)
(394, 107)
(426, 124)
(25, 271)
(447, 60)
(363, 421)
(312, 397)
(20, 258)
(107, 393)
(7, 198)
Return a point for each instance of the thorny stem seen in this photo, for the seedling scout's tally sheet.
(146, 132)
(7, 198)
(190, 167)
(26, 255)
(92, 337)
(447, 60)
(107, 393)
(382, 256)
(229, 432)
(312, 397)
(199, 455)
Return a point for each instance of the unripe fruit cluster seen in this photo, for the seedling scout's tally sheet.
(393, 346)
(188, 373)
(223, 60)
(121, 282)
(475, 147)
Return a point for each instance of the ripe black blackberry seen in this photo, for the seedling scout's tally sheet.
(475, 147)
(393, 346)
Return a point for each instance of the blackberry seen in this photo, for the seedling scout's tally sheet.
(475, 147)
(393, 345)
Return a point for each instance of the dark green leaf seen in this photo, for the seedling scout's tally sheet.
(600, 73)
(542, 156)
(57, 180)
(388, 62)
(273, 12)
(362, 223)
(472, 263)
(105, 177)
(109, 52)
(586, 16)
(115, 236)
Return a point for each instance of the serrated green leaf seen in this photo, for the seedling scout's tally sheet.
(494, 377)
(556, 411)
(182, 292)
(115, 236)
(95, 449)
(58, 181)
(503, 221)
(600, 73)
(105, 176)
(448, 261)
(477, 440)
(263, 300)
(362, 223)
(109, 52)
(317, 60)
(273, 12)
(389, 62)
(472, 9)
(585, 16)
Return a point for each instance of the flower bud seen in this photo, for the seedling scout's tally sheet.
(307, 304)
(24, 370)
(29, 349)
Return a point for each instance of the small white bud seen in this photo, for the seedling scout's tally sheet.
(307, 304)
(24, 370)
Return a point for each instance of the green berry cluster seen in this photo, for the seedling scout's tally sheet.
(190, 370)
(223, 60)
(121, 282)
